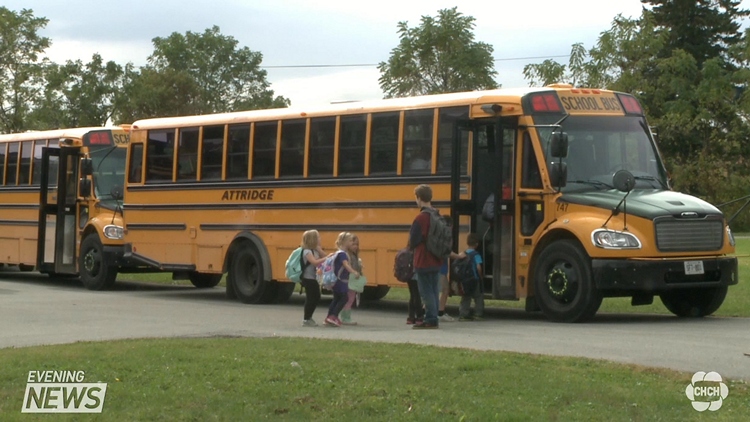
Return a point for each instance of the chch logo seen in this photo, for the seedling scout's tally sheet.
(706, 391)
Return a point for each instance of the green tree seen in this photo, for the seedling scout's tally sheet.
(440, 55)
(78, 94)
(21, 68)
(197, 74)
(550, 71)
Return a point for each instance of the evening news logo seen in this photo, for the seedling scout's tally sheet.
(706, 391)
(62, 392)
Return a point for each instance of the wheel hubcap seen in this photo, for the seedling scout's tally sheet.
(90, 262)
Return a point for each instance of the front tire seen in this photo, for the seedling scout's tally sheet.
(247, 279)
(694, 303)
(375, 292)
(96, 272)
(204, 280)
(563, 283)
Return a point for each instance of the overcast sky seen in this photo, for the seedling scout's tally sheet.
(322, 32)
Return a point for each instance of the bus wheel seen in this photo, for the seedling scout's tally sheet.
(563, 283)
(694, 303)
(25, 267)
(246, 276)
(375, 292)
(95, 273)
(204, 280)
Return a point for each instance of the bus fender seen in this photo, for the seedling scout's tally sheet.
(259, 246)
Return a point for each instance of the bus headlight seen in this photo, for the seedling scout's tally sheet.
(730, 236)
(610, 239)
(113, 232)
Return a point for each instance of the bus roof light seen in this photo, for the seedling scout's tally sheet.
(492, 108)
(545, 102)
(630, 104)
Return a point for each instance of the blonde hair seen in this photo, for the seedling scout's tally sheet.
(310, 239)
(343, 238)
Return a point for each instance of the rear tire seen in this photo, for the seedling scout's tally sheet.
(694, 303)
(204, 280)
(375, 292)
(96, 273)
(246, 276)
(25, 268)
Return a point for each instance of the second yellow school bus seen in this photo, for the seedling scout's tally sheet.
(582, 205)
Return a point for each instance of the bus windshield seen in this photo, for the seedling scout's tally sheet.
(599, 146)
(109, 171)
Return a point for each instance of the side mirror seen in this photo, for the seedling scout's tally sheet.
(116, 192)
(87, 167)
(84, 187)
(623, 181)
(558, 174)
(558, 145)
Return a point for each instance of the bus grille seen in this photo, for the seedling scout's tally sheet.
(689, 235)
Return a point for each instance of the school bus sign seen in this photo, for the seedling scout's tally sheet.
(593, 103)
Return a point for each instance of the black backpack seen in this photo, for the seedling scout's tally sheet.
(439, 237)
(464, 271)
(403, 265)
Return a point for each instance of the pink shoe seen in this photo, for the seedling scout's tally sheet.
(331, 321)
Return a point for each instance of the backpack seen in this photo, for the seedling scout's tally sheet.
(464, 271)
(403, 265)
(295, 265)
(326, 272)
(439, 237)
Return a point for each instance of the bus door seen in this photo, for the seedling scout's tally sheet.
(57, 241)
(491, 203)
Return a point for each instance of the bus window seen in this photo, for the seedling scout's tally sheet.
(10, 176)
(417, 153)
(448, 119)
(36, 171)
(160, 155)
(530, 176)
(264, 149)
(384, 143)
(136, 163)
(187, 154)
(292, 160)
(24, 173)
(352, 139)
(322, 137)
(238, 152)
(213, 143)
(2, 163)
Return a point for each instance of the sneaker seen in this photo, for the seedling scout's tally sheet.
(446, 318)
(309, 323)
(466, 318)
(338, 322)
(409, 321)
(331, 321)
(424, 325)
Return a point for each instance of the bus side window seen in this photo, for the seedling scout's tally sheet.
(322, 137)
(264, 149)
(292, 160)
(352, 139)
(136, 163)
(2, 163)
(24, 173)
(448, 119)
(36, 171)
(187, 154)
(211, 150)
(238, 152)
(531, 177)
(417, 153)
(384, 143)
(160, 156)
(12, 166)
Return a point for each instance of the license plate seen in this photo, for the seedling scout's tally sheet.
(693, 267)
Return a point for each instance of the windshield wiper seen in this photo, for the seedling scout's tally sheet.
(597, 183)
(651, 179)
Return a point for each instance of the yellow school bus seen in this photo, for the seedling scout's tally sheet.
(59, 202)
(580, 204)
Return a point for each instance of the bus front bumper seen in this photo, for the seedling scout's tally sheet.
(660, 275)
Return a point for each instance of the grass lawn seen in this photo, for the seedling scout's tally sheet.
(302, 379)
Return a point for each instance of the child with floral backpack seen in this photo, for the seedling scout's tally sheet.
(343, 271)
(356, 263)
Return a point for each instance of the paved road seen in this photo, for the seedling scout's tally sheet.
(35, 310)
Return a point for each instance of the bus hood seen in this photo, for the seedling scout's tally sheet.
(645, 203)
